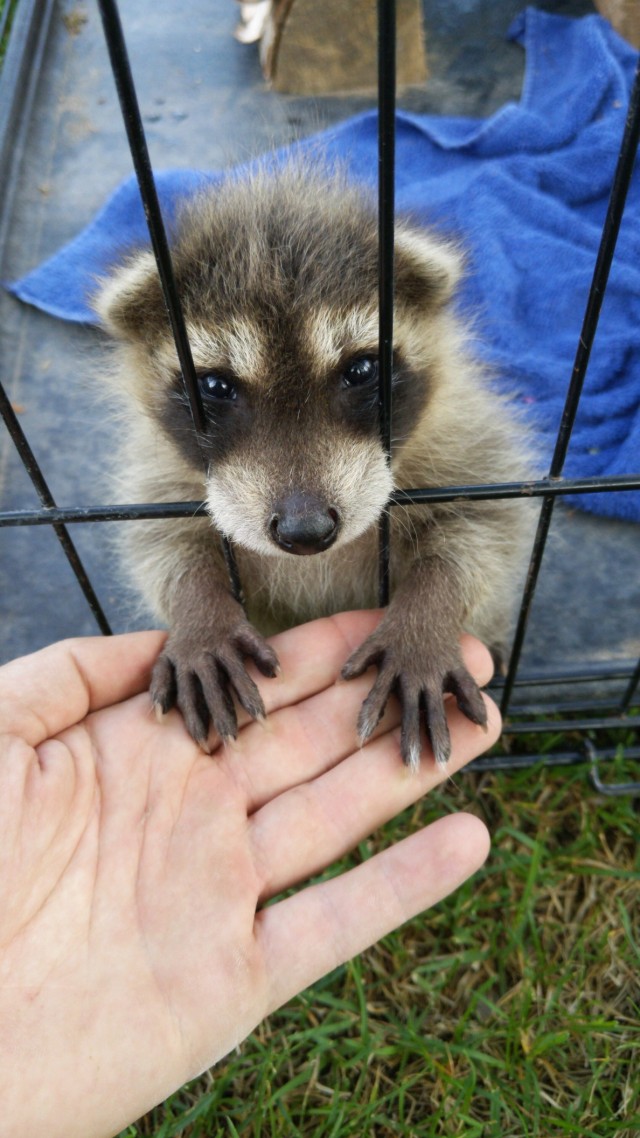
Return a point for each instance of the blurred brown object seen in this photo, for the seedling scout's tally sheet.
(318, 47)
(624, 15)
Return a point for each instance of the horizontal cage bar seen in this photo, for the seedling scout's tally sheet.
(422, 496)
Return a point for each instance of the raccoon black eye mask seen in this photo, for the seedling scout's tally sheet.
(278, 280)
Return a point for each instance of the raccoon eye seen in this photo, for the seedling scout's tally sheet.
(215, 386)
(361, 370)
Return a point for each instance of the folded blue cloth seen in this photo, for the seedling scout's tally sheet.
(526, 192)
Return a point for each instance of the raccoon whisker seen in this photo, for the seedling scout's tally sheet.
(405, 522)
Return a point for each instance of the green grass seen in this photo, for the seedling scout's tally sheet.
(510, 1010)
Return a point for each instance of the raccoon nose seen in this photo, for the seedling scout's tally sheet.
(303, 524)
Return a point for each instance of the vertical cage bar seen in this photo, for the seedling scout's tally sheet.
(613, 219)
(386, 209)
(629, 693)
(32, 468)
(615, 210)
(129, 106)
(128, 99)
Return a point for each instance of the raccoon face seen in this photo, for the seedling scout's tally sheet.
(295, 464)
(278, 280)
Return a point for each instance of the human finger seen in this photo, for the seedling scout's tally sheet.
(310, 658)
(42, 694)
(312, 732)
(298, 833)
(306, 935)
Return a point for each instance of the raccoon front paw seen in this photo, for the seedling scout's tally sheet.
(420, 677)
(201, 674)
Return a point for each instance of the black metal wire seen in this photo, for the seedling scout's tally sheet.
(591, 712)
(120, 513)
(34, 471)
(538, 488)
(132, 118)
(615, 210)
(616, 789)
(586, 706)
(558, 759)
(607, 671)
(420, 496)
(627, 698)
(563, 726)
(386, 224)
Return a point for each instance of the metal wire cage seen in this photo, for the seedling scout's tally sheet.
(580, 718)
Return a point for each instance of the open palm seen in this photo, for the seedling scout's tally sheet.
(135, 944)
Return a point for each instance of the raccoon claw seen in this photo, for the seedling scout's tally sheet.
(420, 687)
(201, 682)
(467, 695)
(163, 686)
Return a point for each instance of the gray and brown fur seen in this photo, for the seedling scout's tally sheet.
(278, 277)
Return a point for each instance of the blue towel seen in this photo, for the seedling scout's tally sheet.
(526, 191)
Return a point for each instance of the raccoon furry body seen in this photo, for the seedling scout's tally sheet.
(277, 275)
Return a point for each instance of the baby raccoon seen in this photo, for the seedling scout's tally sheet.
(278, 278)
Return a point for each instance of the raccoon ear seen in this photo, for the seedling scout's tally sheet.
(427, 269)
(129, 302)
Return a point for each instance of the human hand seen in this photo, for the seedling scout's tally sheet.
(133, 953)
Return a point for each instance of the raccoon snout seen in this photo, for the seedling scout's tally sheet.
(303, 524)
